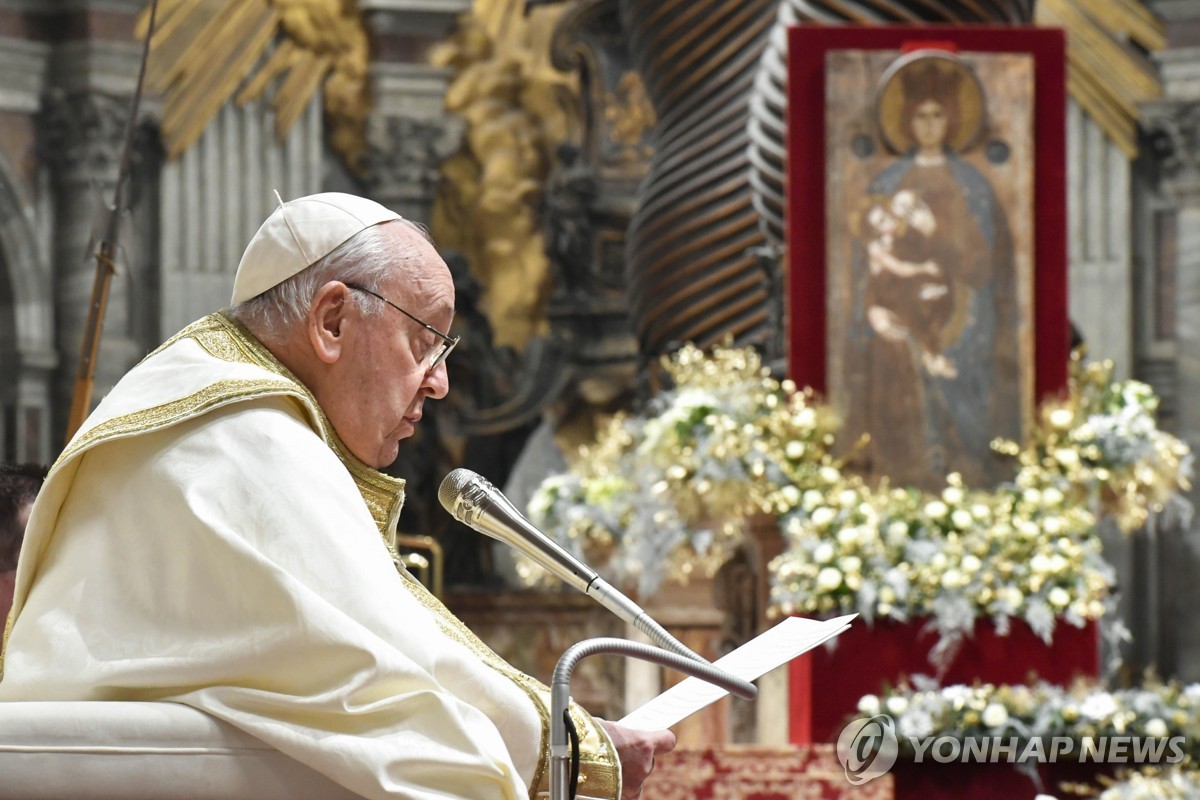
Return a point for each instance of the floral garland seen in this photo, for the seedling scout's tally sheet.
(1042, 711)
(1168, 784)
(666, 495)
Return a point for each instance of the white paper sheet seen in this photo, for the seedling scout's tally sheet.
(760, 655)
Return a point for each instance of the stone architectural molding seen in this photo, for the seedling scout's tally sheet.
(1100, 269)
(216, 194)
(1173, 129)
(404, 154)
(22, 74)
(83, 135)
(26, 331)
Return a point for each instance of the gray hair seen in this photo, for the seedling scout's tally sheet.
(364, 259)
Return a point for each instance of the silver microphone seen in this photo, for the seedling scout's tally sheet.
(475, 502)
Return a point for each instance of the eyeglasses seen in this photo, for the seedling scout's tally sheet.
(438, 356)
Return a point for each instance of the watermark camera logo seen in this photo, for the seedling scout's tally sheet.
(868, 748)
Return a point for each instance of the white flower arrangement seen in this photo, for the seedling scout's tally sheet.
(1042, 710)
(665, 495)
(901, 554)
(1027, 549)
(1168, 784)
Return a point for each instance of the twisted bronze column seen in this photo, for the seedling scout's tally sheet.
(694, 270)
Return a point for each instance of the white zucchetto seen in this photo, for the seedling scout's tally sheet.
(298, 234)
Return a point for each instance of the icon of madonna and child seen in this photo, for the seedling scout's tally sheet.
(933, 360)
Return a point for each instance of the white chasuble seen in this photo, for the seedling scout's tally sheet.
(206, 539)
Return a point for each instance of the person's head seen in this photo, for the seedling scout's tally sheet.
(19, 485)
(931, 124)
(881, 220)
(913, 212)
(361, 325)
(931, 103)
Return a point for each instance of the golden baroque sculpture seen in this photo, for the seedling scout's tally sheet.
(513, 103)
(201, 51)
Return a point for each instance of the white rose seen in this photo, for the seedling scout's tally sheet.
(1052, 496)
(1099, 706)
(971, 563)
(1067, 457)
(952, 495)
(897, 704)
(848, 498)
(1032, 496)
(868, 704)
(1156, 728)
(1013, 596)
(952, 579)
(936, 509)
(995, 715)
(823, 516)
(794, 450)
(824, 553)
(829, 579)
(791, 495)
(851, 564)
(849, 535)
(1059, 597)
(1061, 417)
(812, 499)
(961, 518)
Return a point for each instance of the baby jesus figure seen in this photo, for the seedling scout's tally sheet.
(909, 296)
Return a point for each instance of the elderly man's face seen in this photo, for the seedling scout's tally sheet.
(381, 382)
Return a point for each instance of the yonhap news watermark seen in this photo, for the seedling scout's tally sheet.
(870, 747)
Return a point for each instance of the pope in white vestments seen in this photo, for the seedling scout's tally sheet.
(208, 538)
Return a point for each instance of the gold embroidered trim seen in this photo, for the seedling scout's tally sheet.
(155, 418)
(8, 623)
(602, 778)
(225, 338)
(456, 630)
(212, 396)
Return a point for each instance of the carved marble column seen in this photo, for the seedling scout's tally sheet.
(27, 355)
(216, 195)
(408, 135)
(81, 140)
(1100, 268)
(1173, 126)
(404, 153)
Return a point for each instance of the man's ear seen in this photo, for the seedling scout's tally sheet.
(327, 319)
